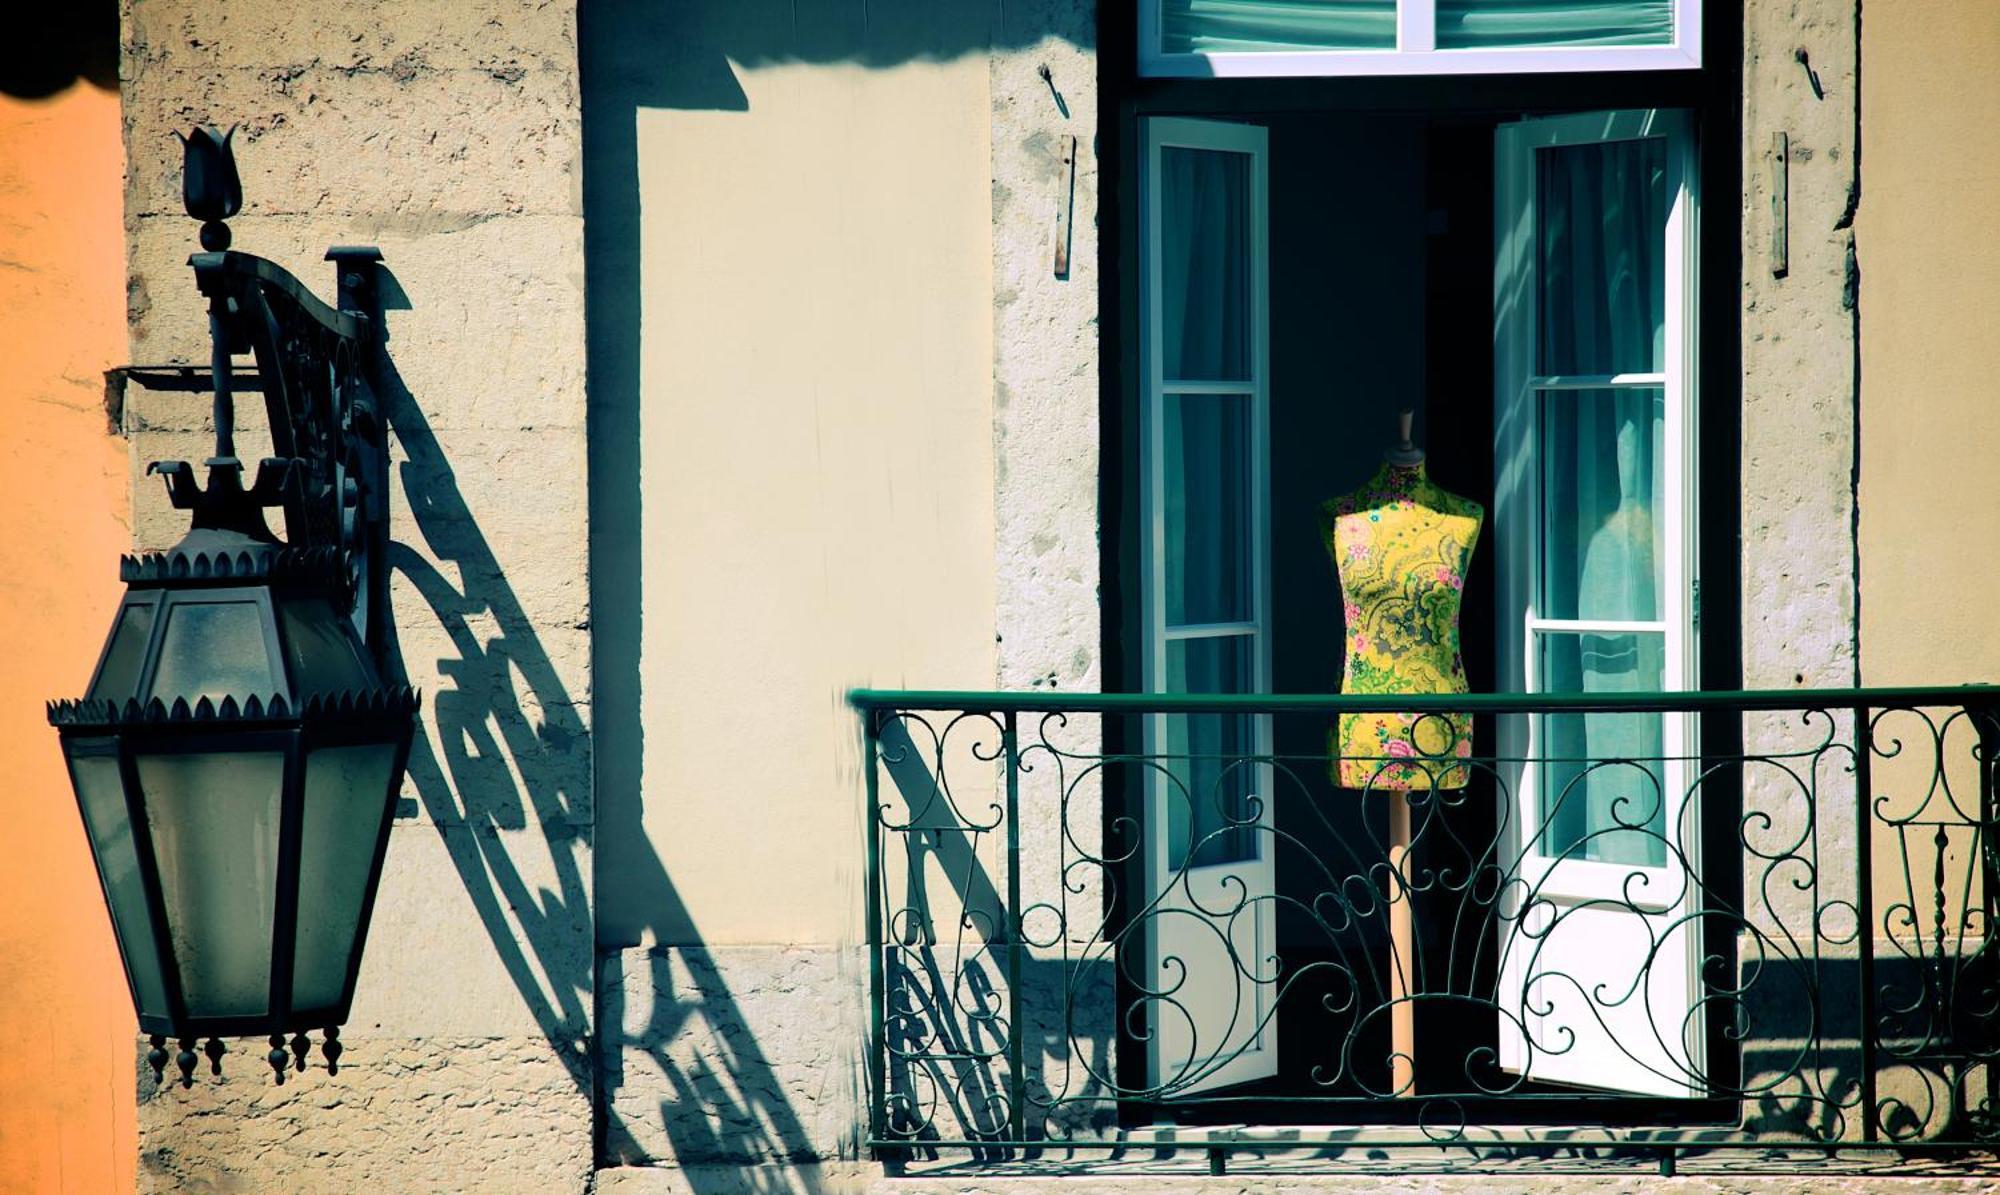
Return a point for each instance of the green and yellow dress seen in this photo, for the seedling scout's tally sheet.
(1400, 545)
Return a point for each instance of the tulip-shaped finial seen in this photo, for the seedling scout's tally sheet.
(209, 186)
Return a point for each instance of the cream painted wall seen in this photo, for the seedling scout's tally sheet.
(816, 463)
(1930, 362)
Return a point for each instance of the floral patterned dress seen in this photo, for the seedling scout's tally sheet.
(1400, 545)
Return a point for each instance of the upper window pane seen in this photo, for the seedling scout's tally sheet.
(1602, 241)
(1205, 265)
(1222, 26)
(1487, 24)
(1207, 481)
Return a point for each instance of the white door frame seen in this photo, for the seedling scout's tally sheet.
(1209, 930)
(1607, 916)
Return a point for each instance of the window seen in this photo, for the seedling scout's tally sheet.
(1203, 38)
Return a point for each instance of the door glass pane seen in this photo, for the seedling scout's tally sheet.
(1602, 244)
(1602, 791)
(1204, 264)
(1216, 26)
(1206, 478)
(1471, 24)
(1207, 773)
(1602, 543)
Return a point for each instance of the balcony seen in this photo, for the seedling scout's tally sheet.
(1703, 931)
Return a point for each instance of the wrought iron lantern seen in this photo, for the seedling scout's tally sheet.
(238, 753)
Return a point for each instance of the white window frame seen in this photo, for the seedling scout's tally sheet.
(1416, 53)
(1216, 886)
(1517, 419)
(1663, 893)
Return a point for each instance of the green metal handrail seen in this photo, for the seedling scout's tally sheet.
(1057, 701)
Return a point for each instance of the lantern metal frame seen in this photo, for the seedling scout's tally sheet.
(329, 475)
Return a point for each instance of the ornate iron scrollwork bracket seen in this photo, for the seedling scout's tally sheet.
(329, 468)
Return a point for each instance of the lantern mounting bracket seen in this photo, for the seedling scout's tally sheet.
(313, 365)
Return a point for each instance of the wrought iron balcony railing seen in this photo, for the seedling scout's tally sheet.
(1678, 926)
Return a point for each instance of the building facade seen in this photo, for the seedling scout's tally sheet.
(744, 355)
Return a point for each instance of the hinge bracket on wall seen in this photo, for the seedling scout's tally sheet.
(1065, 203)
(1694, 603)
(1777, 165)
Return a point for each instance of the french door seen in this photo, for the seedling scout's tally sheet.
(1594, 469)
(1209, 972)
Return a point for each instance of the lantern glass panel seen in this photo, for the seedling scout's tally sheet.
(214, 649)
(347, 789)
(118, 678)
(100, 790)
(214, 820)
(324, 652)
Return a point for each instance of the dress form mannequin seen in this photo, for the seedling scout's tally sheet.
(1400, 545)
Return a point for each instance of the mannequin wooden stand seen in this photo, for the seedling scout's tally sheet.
(1402, 956)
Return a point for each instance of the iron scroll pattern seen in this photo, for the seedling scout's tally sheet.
(1782, 939)
(312, 368)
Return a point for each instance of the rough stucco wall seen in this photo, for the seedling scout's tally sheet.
(1930, 272)
(1798, 359)
(447, 134)
(1045, 363)
(1798, 392)
(65, 1116)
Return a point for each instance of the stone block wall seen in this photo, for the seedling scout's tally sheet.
(448, 134)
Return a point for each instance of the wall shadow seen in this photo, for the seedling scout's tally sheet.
(462, 777)
(641, 55)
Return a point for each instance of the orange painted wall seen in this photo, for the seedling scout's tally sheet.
(67, 1034)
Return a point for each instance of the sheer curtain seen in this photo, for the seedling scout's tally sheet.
(1470, 24)
(1249, 26)
(1220, 26)
(1602, 312)
(1205, 321)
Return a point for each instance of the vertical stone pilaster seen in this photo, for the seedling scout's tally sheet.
(449, 135)
(1800, 388)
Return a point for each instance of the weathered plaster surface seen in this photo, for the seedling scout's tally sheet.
(1798, 348)
(1045, 362)
(436, 1113)
(733, 1055)
(449, 136)
(1799, 395)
